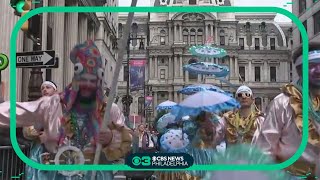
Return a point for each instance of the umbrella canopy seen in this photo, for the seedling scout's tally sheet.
(207, 51)
(167, 105)
(164, 121)
(192, 89)
(208, 101)
(209, 69)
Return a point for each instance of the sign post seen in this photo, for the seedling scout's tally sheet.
(37, 59)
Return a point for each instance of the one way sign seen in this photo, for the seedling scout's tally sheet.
(37, 59)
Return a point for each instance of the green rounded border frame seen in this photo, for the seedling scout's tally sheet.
(190, 9)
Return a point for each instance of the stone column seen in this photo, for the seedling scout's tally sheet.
(216, 34)
(199, 78)
(176, 96)
(231, 67)
(155, 100)
(180, 66)
(175, 66)
(187, 77)
(71, 37)
(58, 44)
(156, 67)
(170, 67)
(212, 31)
(180, 33)
(150, 68)
(265, 72)
(170, 33)
(170, 96)
(83, 27)
(236, 67)
(207, 31)
(180, 97)
(175, 33)
(250, 75)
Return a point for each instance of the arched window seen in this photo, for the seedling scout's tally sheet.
(258, 103)
(162, 37)
(200, 35)
(192, 36)
(192, 76)
(185, 34)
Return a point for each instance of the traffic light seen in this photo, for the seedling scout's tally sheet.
(26, 8)
(17, 5)
(21, 8)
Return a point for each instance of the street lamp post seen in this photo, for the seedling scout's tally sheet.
(127, 99)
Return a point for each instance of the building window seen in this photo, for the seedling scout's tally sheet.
(242, 73)
(141, 106)
(305, 24)
(185, 34)
(162, 37)
(125, 73)
(191, 75)
(192, 2)
(257, 75)
(222, 38)
(162, 74)
(273, 74)
(272, 43)
(241, 43)
(302, 6)
(120, 28)
(192, 36)
(200, 35)
(258, 103)
(316, 21)
(256, 43)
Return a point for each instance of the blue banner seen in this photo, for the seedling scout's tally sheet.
(137, 75)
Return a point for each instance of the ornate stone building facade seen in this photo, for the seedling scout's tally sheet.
(258, 52)
(60, 32)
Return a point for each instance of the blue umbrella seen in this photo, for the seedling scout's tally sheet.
(209, 69)
(192, 89)
(167, 105)
(164, 121)
(208, 101)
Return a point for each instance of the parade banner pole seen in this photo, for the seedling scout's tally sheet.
(123, 44)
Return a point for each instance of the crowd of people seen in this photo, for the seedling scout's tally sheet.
(74, 118)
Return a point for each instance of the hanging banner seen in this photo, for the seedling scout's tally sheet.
(137, 74)
(148, 101)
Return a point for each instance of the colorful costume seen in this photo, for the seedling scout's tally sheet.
(242, 129)
(73, 121)
(281, 131)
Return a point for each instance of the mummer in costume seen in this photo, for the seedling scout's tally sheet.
(71, 121)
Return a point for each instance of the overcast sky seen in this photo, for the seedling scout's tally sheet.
(274, 3)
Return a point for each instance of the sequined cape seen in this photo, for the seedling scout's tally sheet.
(281, 132)
(242, 130)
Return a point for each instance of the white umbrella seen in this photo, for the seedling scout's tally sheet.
(208, 101)
(167, 105)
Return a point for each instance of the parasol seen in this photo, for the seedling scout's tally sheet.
(192, 89)
(167, 105)
(208, 101)
(207, 69)
(207, 51)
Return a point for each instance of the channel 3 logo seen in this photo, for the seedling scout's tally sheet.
(144, 161)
